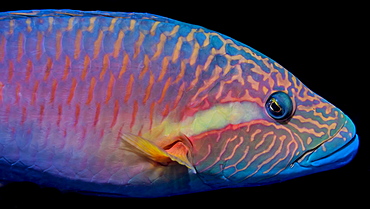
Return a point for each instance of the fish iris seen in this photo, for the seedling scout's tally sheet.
(279, 106)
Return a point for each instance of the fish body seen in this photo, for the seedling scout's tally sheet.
(139, 105)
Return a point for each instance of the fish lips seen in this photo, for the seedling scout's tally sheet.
(334, 152)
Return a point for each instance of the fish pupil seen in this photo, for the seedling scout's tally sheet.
(275, 107)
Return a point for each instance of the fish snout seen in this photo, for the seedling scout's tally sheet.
(336, 151)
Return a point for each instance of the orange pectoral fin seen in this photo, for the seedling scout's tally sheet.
(177, 151)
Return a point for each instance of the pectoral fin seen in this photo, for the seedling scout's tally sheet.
(176, 151)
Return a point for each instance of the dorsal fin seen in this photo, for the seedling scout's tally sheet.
(79, 13)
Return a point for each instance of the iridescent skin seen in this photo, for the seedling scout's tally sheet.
(72, 82)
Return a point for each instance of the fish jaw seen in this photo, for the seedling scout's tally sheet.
(346, 143)
(320, 158)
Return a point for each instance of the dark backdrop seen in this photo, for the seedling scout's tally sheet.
(320, 44)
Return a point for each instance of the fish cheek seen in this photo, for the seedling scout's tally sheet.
(246, 154)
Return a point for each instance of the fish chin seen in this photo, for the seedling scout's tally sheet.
(306, 166)
(332, 154)
(340, 157)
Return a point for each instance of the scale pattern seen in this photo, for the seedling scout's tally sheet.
(72, 81)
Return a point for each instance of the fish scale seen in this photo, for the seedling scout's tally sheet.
(130, 104)
(92, 45)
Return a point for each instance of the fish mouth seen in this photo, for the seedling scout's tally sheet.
(335, 151)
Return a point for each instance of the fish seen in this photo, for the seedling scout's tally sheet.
(139, 105)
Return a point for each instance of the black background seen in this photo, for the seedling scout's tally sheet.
(320, 44)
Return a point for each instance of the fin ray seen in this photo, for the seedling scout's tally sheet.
(147, 148)
(177, 151)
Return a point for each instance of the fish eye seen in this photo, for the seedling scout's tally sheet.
(279, 106)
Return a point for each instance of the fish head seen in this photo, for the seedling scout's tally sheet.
(268, 128)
